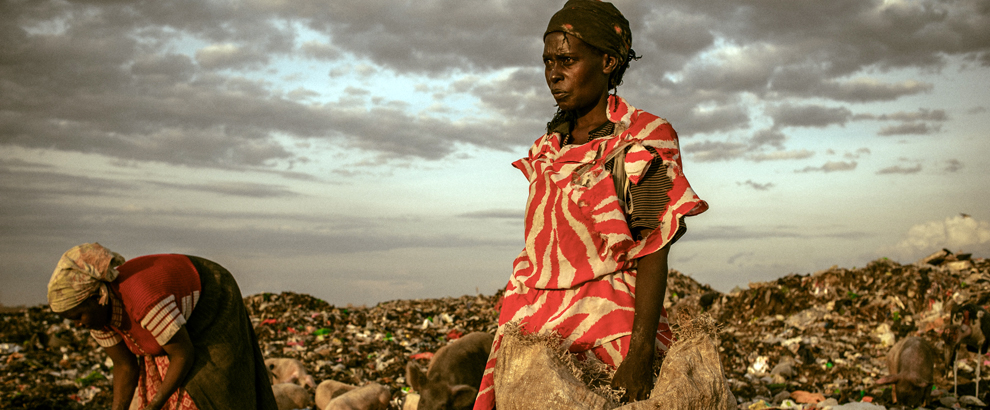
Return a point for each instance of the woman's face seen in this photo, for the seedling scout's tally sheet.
(89, 314)
(575, 72)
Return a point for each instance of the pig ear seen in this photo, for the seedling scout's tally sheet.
(463, 395)
(889, 379)
(415, 376)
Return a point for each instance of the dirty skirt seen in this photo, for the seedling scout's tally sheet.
(577, 274)
(228, 371)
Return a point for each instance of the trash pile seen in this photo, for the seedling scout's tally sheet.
(824, 336)
(799, 342)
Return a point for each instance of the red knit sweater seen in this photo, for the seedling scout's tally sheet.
(152, 298)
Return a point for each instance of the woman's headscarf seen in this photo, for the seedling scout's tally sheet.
(82, 271)
(597, 23)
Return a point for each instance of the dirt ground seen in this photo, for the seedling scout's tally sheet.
(822, 335)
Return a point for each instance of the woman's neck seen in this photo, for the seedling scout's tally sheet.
(589, 120)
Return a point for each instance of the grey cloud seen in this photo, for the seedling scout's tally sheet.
(432, 37)
(867, 90)
(953, 165)
(709, 120)
(320, 51)
(781, 155)
(755, 185)
(732, 259)
(219, 56)
(897, 169)
(830, 166)
(118, 85)
(163, 68)
(922, 114)
(26, 220)
(857, 153)
(708, 151)
(38, 183)
(790, 115)
(919, 128)
(245, 189)
(739, 233)
(769, 136)
(523, 94)
(810, 82)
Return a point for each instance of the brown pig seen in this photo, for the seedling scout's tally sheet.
(911, 363)
(454, 375)
(371, 396)
(289, 371)
(290, 396)
(329, 390)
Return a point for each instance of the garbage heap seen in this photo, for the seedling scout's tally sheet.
(808, 338)
(789, 343)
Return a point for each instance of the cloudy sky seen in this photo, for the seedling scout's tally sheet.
(359, 150)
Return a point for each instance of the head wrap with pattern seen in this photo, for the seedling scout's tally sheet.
(597, 23)
(82, 271)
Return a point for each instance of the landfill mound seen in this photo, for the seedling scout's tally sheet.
(789, 343)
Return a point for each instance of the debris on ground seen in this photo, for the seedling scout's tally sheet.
(811, 341)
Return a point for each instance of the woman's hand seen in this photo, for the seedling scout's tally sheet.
(125, 375)
(180, 353)
(635, 374)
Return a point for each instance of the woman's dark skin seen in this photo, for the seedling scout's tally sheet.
(578, 77)
(92, 315)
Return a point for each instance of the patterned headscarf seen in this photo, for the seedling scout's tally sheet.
(597, 23)
(81, 272)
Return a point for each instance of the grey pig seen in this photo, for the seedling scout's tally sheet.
(329, 390)
(454, 375)
(289, 371)
(371, 396)
(911, 363)
(290, 396)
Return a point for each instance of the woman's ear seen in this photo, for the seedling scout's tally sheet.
(609, 63)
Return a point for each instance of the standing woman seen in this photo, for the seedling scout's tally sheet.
(607, 198)
(175, 327)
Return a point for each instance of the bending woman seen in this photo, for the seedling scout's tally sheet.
(175, 327)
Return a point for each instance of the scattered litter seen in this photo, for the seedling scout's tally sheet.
(799, 342)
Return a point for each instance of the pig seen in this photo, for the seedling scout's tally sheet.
(970, 328)
(911, 363)
(329, 390)
(290, 396)
(454, 374)
(371, 396)
(289, 371)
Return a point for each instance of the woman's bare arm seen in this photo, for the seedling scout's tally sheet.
(125, 375)
(180, 353)
(635, 374)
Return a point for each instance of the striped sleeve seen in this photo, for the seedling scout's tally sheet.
(105, 338)
(166, 318)
(649, 198)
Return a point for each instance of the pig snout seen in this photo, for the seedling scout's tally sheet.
(289, 396)
(911, 364)
(454, 375)
(283, 370)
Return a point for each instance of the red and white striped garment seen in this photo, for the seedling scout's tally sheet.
(150, 381)
(577, 274)
(152, 298)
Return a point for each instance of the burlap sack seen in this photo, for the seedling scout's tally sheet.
(533, 373)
